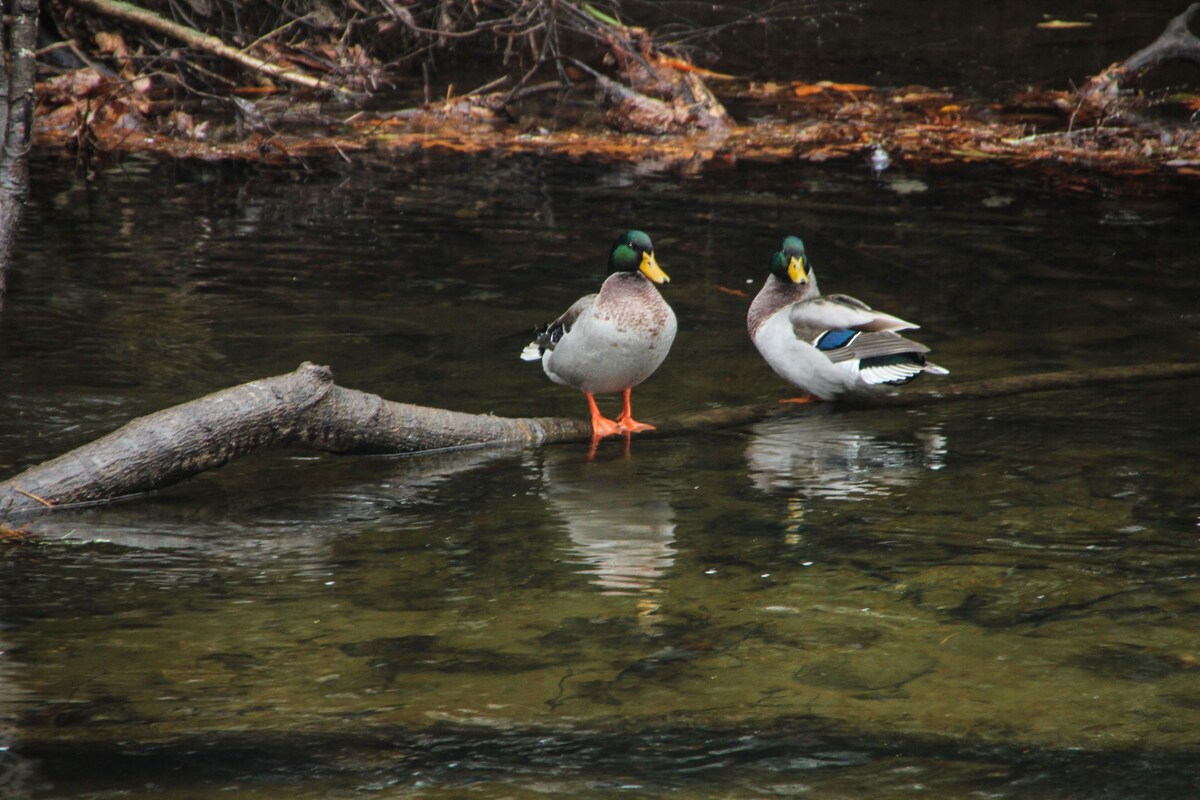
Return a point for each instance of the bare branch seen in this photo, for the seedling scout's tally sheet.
(202, 41)
(1175, 42)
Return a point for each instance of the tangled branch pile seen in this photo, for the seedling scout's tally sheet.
(166, 78)
(119, 63)
(358, 44)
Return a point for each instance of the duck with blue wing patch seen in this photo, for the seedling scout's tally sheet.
(830, 345)
(611, 341)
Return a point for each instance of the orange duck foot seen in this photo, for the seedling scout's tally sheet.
(626, 421)
(808, 398)
(631, 425)
(601, 425)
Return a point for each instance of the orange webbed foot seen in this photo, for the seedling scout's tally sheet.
(626, 421)
(601, 425)
(631, 425)
(808, 398)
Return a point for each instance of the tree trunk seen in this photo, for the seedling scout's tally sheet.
(305, 408)
(18, 41)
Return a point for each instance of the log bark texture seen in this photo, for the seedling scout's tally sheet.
(306, 408)
(1036, 382)
(302, 408)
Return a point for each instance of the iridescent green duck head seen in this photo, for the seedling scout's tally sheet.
(634, 252)
(790, 263)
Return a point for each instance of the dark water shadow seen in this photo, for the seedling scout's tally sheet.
(645, 760)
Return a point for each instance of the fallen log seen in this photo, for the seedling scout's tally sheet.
(305, 408)
(1037, 382)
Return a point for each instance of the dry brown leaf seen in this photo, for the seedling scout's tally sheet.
(72, 85)
(684, 66)
(63, 120)
(14, 535)
(806, 89)
(921, 98)
(113, 44)
(1062, 25)
(846, 87)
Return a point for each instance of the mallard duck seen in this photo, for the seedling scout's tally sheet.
(833, 345)
(611, 341)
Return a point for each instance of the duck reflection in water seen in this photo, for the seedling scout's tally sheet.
(824, 455)
(621, 526)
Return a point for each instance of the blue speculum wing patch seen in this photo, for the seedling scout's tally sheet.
(832, 340)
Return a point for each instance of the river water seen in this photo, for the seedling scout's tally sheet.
(992, 599)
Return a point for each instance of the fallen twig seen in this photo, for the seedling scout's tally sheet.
(202, 41)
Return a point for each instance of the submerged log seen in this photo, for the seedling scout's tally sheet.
(306, 408)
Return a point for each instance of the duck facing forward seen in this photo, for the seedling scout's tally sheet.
(831, 345)
(611, 341)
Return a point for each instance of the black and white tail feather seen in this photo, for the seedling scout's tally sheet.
(544, 338)
(547, 336)
(879, 357)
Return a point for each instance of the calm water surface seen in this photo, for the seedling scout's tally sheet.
(996, 599)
